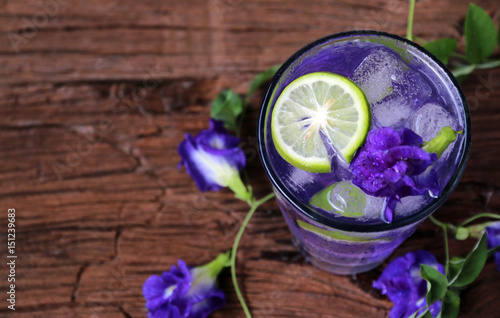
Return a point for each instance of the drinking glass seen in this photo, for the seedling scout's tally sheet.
(346, 245)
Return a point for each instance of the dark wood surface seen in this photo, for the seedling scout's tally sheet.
(88, 152)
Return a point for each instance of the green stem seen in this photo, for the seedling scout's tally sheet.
(463, 70)
(444, 226)
(446, 251)
(253, 207)
(241, 191)
(458, 55)
(409, 30)
(420, 40)
(488, 64)
(478, 216)
(485, 65)
(435, 221)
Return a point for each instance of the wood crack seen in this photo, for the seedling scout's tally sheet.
(77, 282)
(125, 313)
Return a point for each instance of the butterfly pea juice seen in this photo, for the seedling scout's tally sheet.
(333, 222)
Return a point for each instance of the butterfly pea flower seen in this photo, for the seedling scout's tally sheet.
(185, 292)
(493, 239)
(392, 164)
(402, 283)
(214, 160)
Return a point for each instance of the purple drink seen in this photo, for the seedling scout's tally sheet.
(405, 87)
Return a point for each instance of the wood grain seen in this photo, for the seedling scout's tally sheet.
(93, 103)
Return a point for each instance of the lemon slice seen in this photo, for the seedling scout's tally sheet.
(319, 104)
(336, 235)
(343, 198)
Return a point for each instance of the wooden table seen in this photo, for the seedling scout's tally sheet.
(96, 95)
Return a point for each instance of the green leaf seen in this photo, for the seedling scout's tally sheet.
(450, 306)
(456, 264)
(437, 283)
(261, 79)
(427, 314)
(473, 264)
(442, 48)
(227, 106)
(480, 34)
(423, 314)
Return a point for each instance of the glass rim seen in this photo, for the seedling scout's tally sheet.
(362, 227)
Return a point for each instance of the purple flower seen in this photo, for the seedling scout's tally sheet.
(402, 283)
(493, 239)
(213, 159)
(185, 292)
(391, 164)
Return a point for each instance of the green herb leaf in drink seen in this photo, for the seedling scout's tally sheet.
(443, 139)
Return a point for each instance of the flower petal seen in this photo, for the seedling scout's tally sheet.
(435, 308)
(402, 283)
(212, 158)
(222, 139)
(154, 292)
(162, 291)
(235, 157)
(396, 172)
(388, 209)
(202, 174)
(408, 137)
(180, 276)
(167, 312)
(427, 181)
(212, 301)
(217, 126)
(493, 239)
(384, 138)
(390, 164)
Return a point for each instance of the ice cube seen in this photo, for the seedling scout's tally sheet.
(393, 89)
(414, 87)
(342, 169)
(347, 199)
(427, 122)
(429, 119)
(298, 179)
(411, 204)
(374, 206)
(376, 74)
(391, 112)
